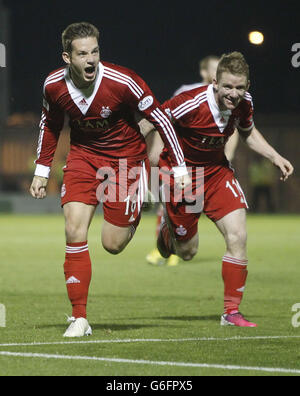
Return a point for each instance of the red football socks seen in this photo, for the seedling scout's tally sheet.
(78, 273)
(167, 238)
(159, 216)
(234, 275)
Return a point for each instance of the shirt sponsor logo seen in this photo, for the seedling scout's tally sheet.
(96, 124)
(211, 141)
(146, 103)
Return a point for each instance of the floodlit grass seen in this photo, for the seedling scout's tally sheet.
(130, 299)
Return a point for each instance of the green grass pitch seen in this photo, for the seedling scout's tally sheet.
(131, 300)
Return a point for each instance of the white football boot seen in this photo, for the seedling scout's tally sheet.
(78, 328)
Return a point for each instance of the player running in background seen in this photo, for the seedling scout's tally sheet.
(208, 70)
(204, 119)
(101, 101)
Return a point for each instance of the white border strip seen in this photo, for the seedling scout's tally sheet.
(149, 362)
(131, 341)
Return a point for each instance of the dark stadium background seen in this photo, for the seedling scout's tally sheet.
(163, 41)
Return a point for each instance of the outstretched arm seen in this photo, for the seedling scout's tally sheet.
(149, 108)
(146, 127)
(256, 142)
(155, 146)
(231, 146)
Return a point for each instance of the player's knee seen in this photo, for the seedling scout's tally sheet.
(75, 232)
(113, 246)
(113, 250)
(237, 238)
(187, 253)
(188, 256)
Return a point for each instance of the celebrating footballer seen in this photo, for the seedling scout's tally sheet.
(103, 102)
(204, 119)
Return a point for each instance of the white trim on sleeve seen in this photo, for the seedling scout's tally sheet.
(180, 170)
(246, 129)
(42, 171)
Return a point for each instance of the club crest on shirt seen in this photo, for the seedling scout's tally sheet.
(181, 231)
(105, 112)
(63, 190)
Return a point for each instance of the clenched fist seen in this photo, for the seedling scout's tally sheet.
(285, 167)
(38, 187)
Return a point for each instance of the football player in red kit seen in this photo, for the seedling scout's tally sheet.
(204, 119)
(101, 101)
(208, 72)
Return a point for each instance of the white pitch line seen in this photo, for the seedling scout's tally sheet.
(154, 340)
(149, 362)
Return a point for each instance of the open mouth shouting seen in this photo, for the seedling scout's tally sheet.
(90, 72)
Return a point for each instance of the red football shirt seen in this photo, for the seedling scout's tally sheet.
(203, 129)
(102, 117)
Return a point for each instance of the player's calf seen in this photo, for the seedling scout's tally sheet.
(78, 217)
(164, 241)
(78, 274)
(236, 242)
(234, 229)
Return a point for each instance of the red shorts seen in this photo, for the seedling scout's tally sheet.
(220, 194)
(121, 185)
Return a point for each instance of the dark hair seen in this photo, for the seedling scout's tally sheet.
(76, 31)
(205, 61)
(233, 63)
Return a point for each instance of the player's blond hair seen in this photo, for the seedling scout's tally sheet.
(233, 63)
(77, 31)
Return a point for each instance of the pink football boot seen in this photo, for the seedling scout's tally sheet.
(236, 319)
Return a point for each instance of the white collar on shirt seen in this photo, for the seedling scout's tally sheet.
(221, 117)
(83, 98)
